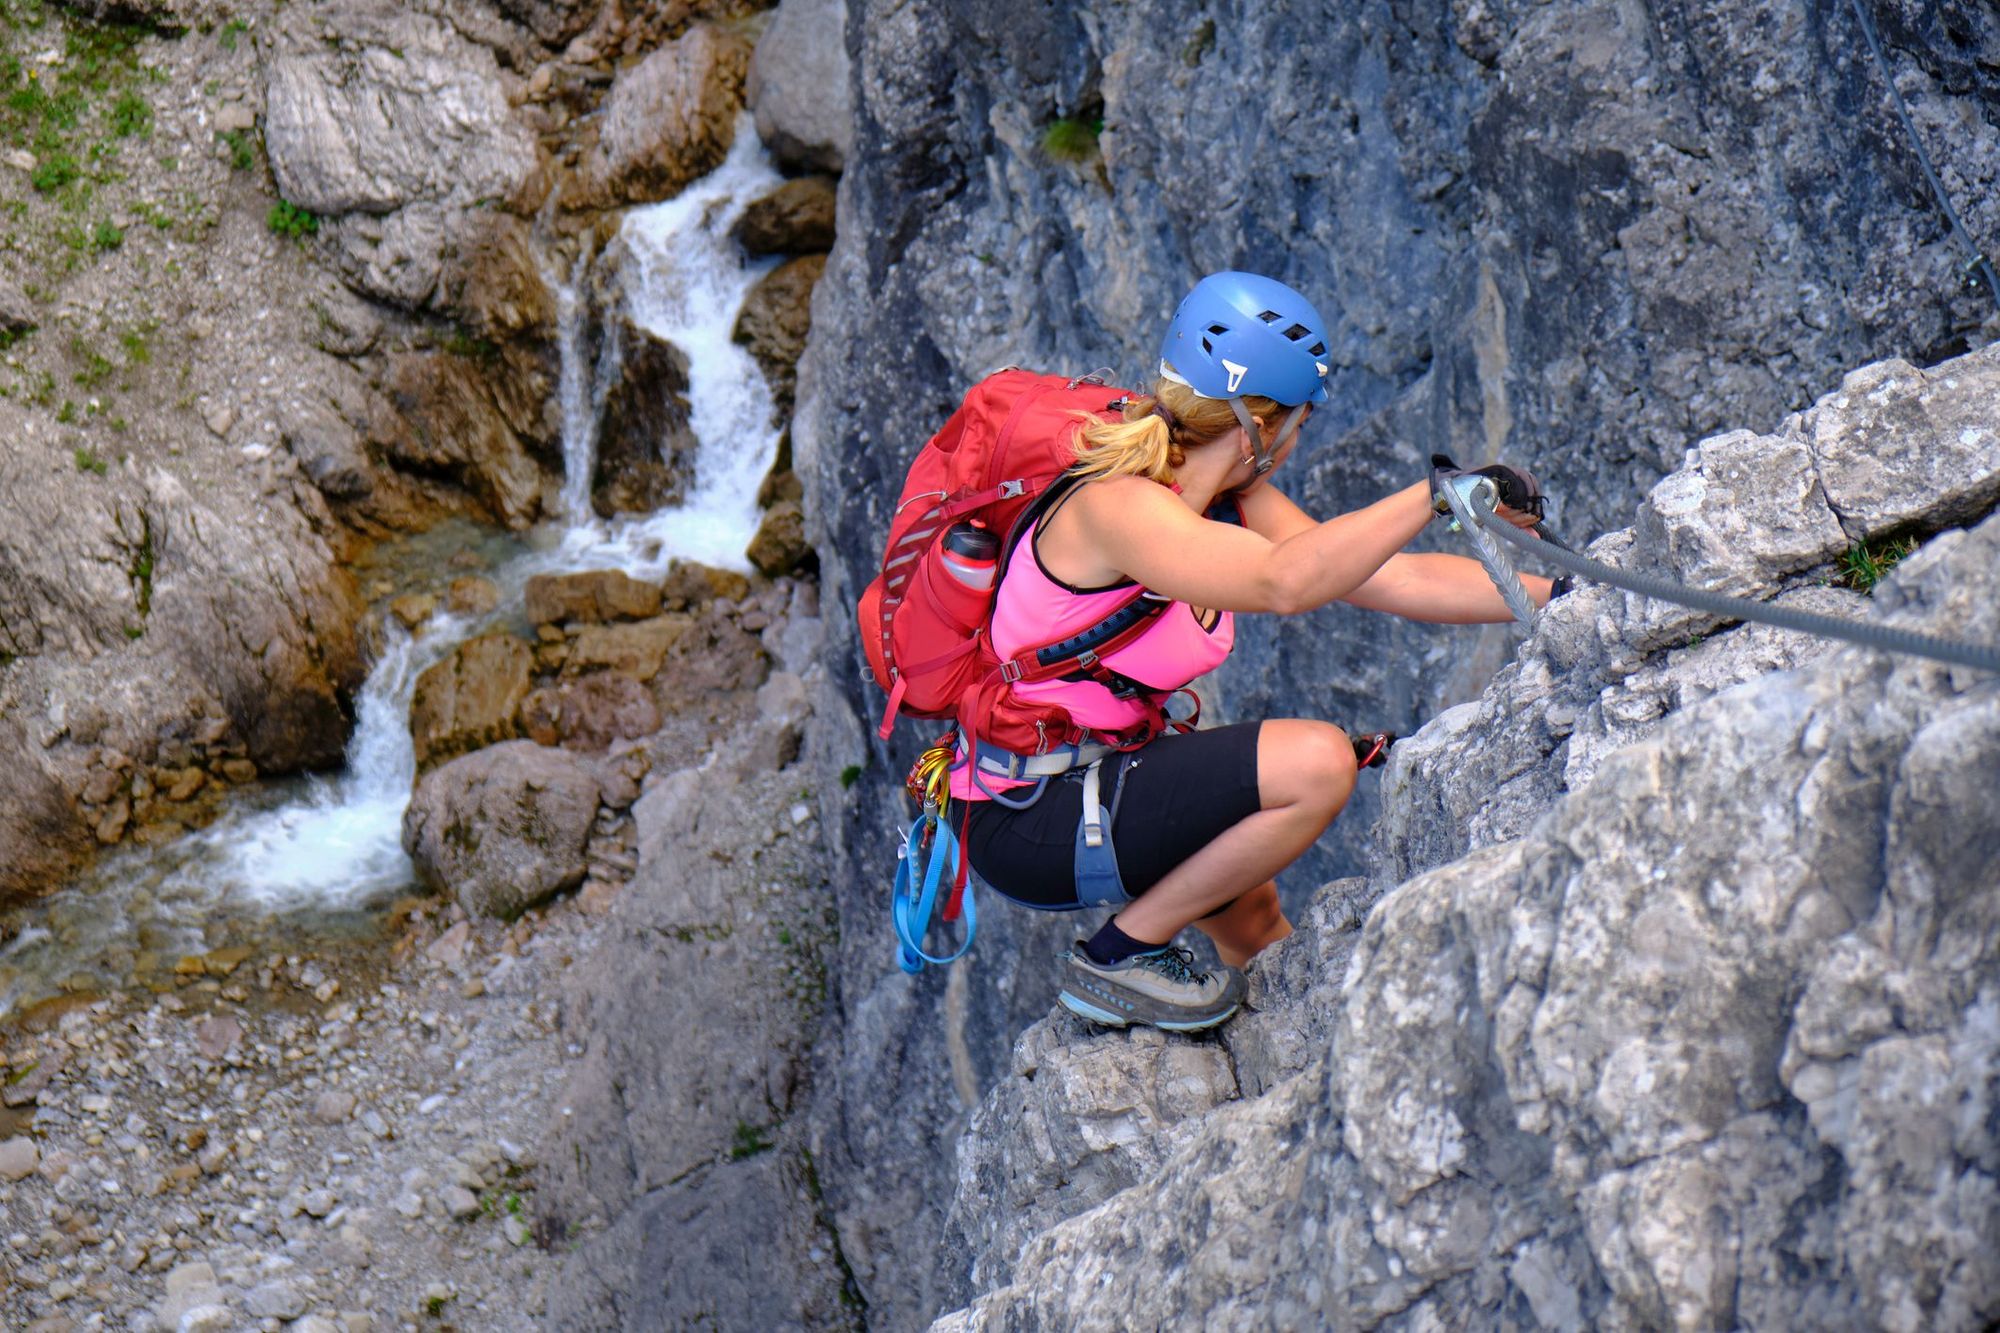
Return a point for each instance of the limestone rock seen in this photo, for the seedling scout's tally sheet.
(670, 118)
(18, 1158)
(780, 545)
(471, 699)
(690, 585)
(645, 443)
(407, 111)
(452, 423)
(503, 828)
(470, 595)
(591, 713)
(636, 649)
(591, 598)
(795, 218)
(412, 609)
(776, 317)
(17, 312)
(798, 86)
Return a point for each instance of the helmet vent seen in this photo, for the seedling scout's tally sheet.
(1208, 346)
(1298, 331)
(1218, 329)
(1270, 316)
(1317, 349)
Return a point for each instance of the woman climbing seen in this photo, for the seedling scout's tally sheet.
(1177, 497)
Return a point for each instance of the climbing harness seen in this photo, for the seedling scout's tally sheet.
(1979, 262)
(930, 861)
(1474, 502)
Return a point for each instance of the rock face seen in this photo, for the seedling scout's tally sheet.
(1708, 1040)
(1578, 241)
(799, 86)
(591, 597)
(503, 828)
(670, 118)
(192, 613)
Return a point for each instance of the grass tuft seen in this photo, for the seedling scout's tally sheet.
(1868, 563)
(1071, 140)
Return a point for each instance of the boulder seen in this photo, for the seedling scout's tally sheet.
(669, 119)
(645, 442)
(504, 828)
(776, 317)
(471, 699)
(780, 545)
(491, 281)
(795, 218)
(637, 649)
(591, 597)
(412, 609)
(690, 584)
(798, 86)
(590, 713)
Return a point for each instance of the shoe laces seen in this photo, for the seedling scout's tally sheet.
(1175, 964)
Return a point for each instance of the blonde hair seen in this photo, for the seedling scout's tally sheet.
(1151, 444)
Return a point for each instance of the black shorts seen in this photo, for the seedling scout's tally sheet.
(1173, 798)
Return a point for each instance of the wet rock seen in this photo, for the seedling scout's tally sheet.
(591, 598)
(669, 119)
(645, 445)
(470, 595)
(795, 218)
(776, 317)
(451, 423)
(798, 86)
(18, 1158)
(491, 281)
(414, 608)
(503, 828)
(690, 585)
(780, 545)
(590, 713)
(637, 649)
(471, 698)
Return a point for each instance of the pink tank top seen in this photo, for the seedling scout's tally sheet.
(1033, 607)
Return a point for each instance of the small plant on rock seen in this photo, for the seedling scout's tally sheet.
(288, 219)
(1868, 563)
(1071, 139)
(86, 461)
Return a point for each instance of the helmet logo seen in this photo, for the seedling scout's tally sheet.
(1236, 373)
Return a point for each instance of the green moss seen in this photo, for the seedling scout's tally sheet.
(131, 115)
(230, 32)
(749, 1141)
(53, 172)
(849, 776)
(1070, 139)
(106, 235)
(86, 461)
(242, 148)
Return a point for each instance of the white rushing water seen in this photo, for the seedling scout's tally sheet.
(336, 846)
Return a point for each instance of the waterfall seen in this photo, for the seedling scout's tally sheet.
(334, 845)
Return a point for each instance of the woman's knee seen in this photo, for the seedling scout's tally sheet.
(1304, 763)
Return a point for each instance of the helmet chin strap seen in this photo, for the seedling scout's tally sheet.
(1265, 457)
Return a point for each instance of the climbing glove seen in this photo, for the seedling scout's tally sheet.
(1516, 486)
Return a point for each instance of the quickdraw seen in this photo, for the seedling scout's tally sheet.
(930, 863)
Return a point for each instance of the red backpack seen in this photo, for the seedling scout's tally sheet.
(997, 462)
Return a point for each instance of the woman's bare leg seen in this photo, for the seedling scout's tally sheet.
(1247, 926)
(1305, 773)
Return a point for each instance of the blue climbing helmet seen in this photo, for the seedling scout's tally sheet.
(1242, 334)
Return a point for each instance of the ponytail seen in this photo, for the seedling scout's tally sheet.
(1157, 431)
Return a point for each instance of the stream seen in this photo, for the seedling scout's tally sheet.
(319, 859)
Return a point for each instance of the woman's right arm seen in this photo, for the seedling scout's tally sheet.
(1143, 531)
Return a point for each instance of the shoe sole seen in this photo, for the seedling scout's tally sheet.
(1086, 1010)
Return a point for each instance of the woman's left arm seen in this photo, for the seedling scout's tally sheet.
(1442, 589)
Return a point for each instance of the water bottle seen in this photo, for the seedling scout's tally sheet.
(972, 554)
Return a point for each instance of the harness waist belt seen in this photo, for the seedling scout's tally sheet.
(1006, 764)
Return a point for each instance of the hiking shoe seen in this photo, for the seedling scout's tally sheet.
(1161, 987)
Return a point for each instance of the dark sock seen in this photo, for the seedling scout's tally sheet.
(1112, 945)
